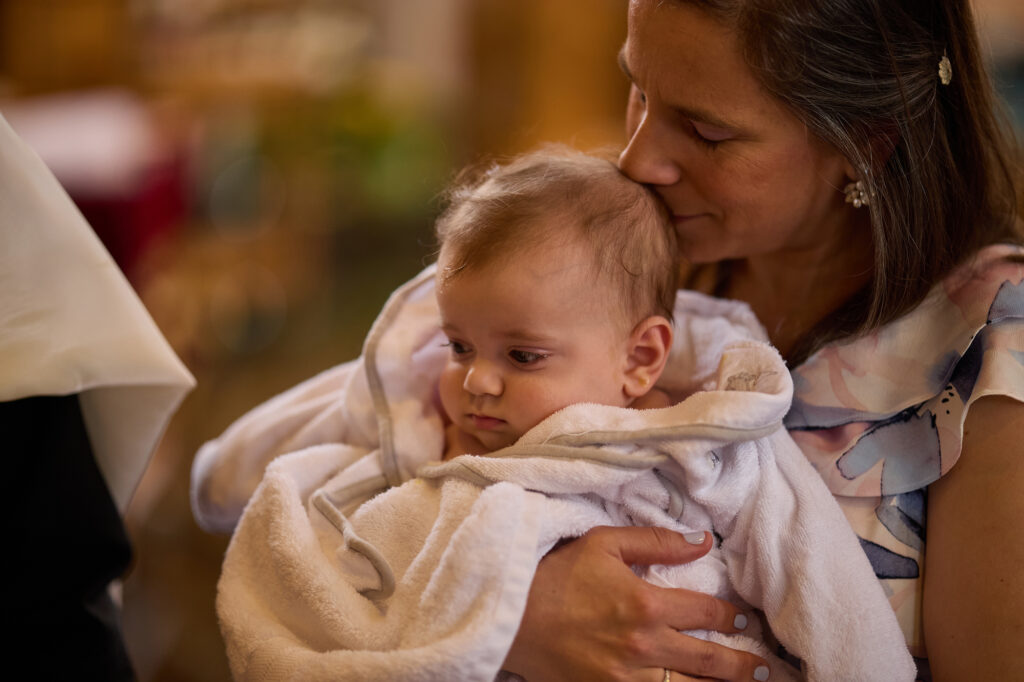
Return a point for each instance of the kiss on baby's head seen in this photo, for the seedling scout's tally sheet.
(556, 281)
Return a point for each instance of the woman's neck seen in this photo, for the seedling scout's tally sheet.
(793, 291)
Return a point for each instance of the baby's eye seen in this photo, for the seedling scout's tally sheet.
(457, 347)
(525, 357)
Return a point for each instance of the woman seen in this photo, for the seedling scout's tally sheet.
(749, 118)
(837, 165)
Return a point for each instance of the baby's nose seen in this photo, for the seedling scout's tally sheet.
(483, 379)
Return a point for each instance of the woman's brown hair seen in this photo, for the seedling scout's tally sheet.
(937, 160)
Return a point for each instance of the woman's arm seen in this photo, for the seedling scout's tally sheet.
(589, 617)
(974, 557)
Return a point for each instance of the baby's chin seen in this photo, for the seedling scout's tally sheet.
(476, 441)
(496, 441)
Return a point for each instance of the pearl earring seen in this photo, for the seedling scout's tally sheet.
(856, 194)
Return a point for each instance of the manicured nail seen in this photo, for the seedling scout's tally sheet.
(695, 538)
(761, 673)
(739, 622)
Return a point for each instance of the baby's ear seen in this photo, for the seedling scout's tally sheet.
(649, 345)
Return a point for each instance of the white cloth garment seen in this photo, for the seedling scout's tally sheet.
(336, 405)
(70, 323)
(327, 579)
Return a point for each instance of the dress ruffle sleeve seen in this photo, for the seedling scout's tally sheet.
(884, 414)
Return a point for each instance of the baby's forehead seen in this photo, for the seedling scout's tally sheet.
(563, 267)
(545, 286)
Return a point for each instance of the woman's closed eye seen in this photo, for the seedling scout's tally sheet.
(526, 357)
(710, 135)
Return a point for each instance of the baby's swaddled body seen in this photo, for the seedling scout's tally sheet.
(428, 579)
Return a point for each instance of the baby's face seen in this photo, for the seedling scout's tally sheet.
(529, 336)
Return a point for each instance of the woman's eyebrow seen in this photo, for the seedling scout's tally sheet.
(694, 114)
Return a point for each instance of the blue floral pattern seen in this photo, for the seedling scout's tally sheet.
(882, 417)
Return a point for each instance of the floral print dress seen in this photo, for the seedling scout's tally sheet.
(882, 416)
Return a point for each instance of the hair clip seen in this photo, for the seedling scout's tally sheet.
(945, 70)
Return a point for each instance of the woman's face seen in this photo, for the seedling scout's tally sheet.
(741, 175)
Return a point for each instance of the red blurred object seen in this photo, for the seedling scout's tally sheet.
(105, 149)
(131, 224)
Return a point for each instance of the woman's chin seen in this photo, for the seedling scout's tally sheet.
(704, 254)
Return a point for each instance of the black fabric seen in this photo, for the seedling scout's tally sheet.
(67, 545)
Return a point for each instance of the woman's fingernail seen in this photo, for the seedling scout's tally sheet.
(739, 622)
(695, 538)
(761, 673)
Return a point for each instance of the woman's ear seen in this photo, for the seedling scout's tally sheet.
(883, 144)
(850, 172)
(647, 353)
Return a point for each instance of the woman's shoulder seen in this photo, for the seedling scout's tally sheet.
(907, 387)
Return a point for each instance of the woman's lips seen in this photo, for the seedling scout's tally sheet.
(684, 219)
(486, 423)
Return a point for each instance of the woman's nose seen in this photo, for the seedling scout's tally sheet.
(483, 379)
(646, 158)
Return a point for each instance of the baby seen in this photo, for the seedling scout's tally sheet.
(555, 282)
(404, 547)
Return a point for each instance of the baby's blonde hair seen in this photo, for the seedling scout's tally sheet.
(512, 207)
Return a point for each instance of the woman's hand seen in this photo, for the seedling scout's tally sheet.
(589, 617)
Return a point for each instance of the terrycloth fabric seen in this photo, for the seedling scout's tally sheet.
(428, 580)
(335, 406)
(71, 324)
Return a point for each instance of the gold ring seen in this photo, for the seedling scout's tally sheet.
(668, 676)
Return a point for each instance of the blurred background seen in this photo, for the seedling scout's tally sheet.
(267, 171)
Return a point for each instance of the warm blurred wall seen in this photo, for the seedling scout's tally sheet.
(545, 71)
(1001, 23)
(47, 46)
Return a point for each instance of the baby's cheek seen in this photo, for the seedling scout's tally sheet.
(449, 389)
(541, 404)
